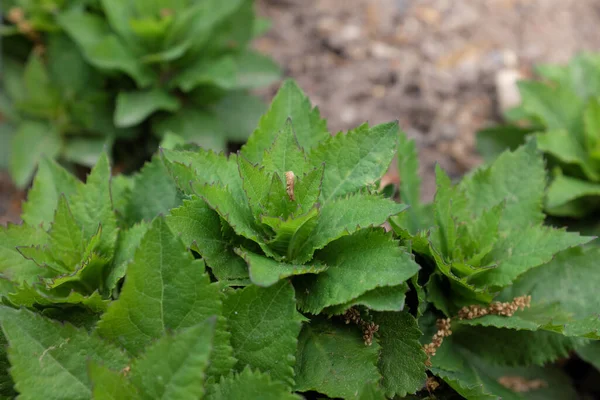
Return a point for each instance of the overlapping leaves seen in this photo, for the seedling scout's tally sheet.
(564, 115)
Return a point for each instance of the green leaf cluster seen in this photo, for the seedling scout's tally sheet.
(562, 114)
(483, 241)
(267, 274)
(82, 75)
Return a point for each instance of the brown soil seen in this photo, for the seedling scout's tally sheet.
(431, 64)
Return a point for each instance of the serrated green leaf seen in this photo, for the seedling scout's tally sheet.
(292, 233)
(344, 216)
(204, 166)
(134, 107)
(13, 265)
(237, 213)
(410, 185)
(290, 102)
(250, 385)
(66, 237)
(92, 207)
(110, 385)
(387, 298)
(307, 189)
(127, 243)
(154, 192)
(517, 178)
(165, 289)
(356, 159)
(31, 142)
(175, 366)
(264, 327)
(257, 184)
(49, 183)
(402, 360)
(285, 154)
(49, 359)
(333, 360)
(371, 391)
(267, 272)
(357, 263)
(200, 229)
(523, 250)
(565, 147)
(30, 296)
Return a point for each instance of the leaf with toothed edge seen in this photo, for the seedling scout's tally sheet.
(267, 272)
(345, 216)
(49, 358)
(250, 385)
(289, 102)
(13, 265)
(285, 154)
(291, 234)
(356, 159)
(356, 264)
(386, 298)
(200, 229)
(165, 289)
(264, 327)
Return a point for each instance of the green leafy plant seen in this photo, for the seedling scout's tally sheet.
(563, 114)
(266, 274)
(126, 74)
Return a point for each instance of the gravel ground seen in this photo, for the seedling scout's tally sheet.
(431, 64)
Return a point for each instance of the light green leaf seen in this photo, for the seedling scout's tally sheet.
(165, 289)
(128, 242)
(571, 197)
(264, 327)
(557, 107)
(87, 150)
(196, 125)
(200, 229)
(154, 192)
(135, 107)
(267, 272)
(12, 264)
(402, 360)
(66, 237)
(255, 70)
(410, 185)
(50, 182)
(235, 211)
(285, 154)
(31, 296)
(290, 102)
(491, 142)
(101, 48)
(32, 141)
(387, 298)
(257, 184)
(92, 207)
(308, 189)
(344, 216)
(175, 366)
(204, 166)
(333, 360)
(250, 385)
(110, 385)
(592, 128)
(517, 178)
(219, 72)
(49, 359)
(565, 147)
(591, 353)
(356, 159)
(523, 250)
(357, 263)
(291, 233)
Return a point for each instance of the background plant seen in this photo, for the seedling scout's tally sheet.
(81, 75)
(563, 113)
(256, 283)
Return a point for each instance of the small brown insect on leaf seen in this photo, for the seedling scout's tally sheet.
(290, 179)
